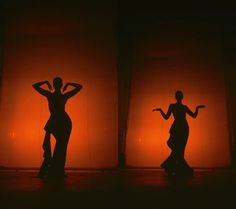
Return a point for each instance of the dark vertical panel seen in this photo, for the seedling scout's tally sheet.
(2, 35)
(229, 51)
(125, 38)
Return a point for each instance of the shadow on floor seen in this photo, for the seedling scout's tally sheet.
(118, 189)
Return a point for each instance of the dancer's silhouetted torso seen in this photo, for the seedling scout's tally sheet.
(59, 124)
(179, 128)
(179, 131)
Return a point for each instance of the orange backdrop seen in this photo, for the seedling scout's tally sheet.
(78, 46)
(170, 57)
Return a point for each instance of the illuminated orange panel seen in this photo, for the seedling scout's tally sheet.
(172, 57)
(39, 49)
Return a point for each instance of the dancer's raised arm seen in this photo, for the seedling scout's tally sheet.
(38, 88)
(77, 88)
(194, 114)
(165, 116)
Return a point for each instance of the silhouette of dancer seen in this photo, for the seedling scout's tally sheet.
(59, 124)
(179, 132)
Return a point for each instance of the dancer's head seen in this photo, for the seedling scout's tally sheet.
(179, 96)
(57, 83)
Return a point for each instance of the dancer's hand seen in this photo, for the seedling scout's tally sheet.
(77, 86)
(201, 106)
(49, 85)
(65, 87)
(156, 109)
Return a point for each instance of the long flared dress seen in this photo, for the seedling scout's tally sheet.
(59, 124)
(177, 141)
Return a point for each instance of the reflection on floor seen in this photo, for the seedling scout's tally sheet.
(118, 189)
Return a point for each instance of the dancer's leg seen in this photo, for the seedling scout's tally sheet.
(47, 156)
(59, 157)
(182, 166)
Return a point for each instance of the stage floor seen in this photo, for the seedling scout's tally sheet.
(118, 189)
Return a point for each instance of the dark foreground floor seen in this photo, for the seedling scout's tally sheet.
(119, 189)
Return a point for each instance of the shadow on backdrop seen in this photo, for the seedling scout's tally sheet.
(175, 164)
(59, 125)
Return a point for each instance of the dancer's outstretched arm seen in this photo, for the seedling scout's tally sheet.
(38, 88)
(77, 88)
(165, 116)
(194, 114)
